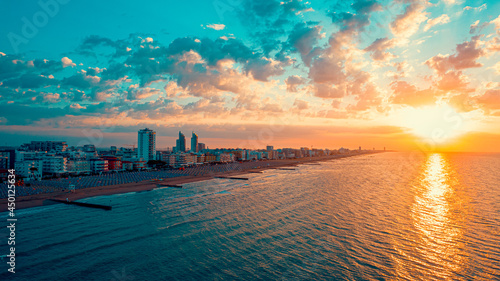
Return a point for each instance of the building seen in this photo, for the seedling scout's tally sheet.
(269, 148)
(78, 166)
(29, 169)
(55, 146)
(128, 165)
(146, 144)
(225, 157)
(4, 162)
(194, 143)
(181, 143)
(201, 146)
(54, 164)
(9, 155)
(89, 148)
(99, 166)
(114, 164)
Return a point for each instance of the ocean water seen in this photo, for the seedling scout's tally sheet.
(388, 216)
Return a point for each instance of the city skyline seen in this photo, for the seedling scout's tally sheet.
(148, 136)
(410, 75)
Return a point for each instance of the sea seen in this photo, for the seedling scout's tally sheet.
(386, 216)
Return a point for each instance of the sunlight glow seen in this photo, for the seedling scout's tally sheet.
(439, 123)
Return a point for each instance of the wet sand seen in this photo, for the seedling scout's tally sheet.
(38, 200)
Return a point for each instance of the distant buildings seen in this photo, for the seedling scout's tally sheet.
(7, 158)
(194, 143)
(180, 143)
(146, 144)
(52, 159)
(55, 146)
(201, 146)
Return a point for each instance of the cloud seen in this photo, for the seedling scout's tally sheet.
(136, 93)
(216, 26)
(490, 100)
(378, 47)
(303, 39)
(328, 91)
(476, 9)
(30, 80)
(407, 94)
(408, 23)
(476, 27)
(76, 106)
(327, 70)
(442, 19)
(301, 104)
(358, 19)
(67, 62)
(264, 68)
(496, 22)
(292, 83)
(465, 57)
(452, 81)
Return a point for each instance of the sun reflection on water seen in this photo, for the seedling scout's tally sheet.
(437, 222)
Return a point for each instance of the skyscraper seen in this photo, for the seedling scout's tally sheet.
(194, 143)
(181, 143)
(146, 144)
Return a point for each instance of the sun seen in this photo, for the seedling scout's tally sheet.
(438, 123)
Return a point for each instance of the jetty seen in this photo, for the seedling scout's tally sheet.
(169, 185)
(231, 178)
(81, 204)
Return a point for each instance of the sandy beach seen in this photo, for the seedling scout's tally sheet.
(39, 199)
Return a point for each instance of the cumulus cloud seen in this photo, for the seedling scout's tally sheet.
(356, 20)
(327, 91)
(378, 49)
(301, 104)
(496, 22)
(292, 82)
(216, 26)
(303, 39)
(465, 57)
(490, 100)
(442, 19)
(408, 23)
(407, 94)
(67, 62)
(327, 70)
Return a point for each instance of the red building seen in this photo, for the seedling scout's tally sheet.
(114, 164)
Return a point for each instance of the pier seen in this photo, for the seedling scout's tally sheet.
(81, 204)
(286, 169)
(169, 185)
(231, 178)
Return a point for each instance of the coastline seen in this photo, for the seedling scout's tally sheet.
(38, 200)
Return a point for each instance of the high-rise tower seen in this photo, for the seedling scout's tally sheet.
(194, 143)
(146, 144)
(181, 143)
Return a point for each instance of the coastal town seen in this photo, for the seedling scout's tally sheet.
(53, 170)
(40, 160)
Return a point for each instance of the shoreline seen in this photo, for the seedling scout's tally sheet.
(38, 200)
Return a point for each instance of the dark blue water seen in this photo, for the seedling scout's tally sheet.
(391, 216)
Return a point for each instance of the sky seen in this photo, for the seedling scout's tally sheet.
(403, 74)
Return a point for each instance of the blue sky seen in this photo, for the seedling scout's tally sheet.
(229, 68)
